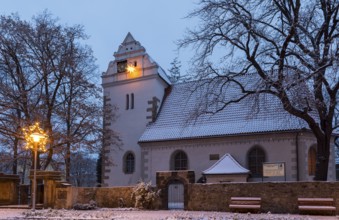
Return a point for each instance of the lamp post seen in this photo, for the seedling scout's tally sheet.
(35, 140)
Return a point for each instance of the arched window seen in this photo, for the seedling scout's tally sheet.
(312, 157)
(129, 163)
(256, 157)
(179, 161)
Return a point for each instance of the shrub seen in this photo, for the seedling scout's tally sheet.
(91, 205)
(145, 195)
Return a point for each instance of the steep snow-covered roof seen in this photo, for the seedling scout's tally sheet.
(226, 165)
(163, 75)
(175, 121)
(161, 71)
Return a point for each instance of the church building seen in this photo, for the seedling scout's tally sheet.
(154, 122)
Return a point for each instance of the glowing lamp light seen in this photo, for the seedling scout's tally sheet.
(130, 68)
(36, 137)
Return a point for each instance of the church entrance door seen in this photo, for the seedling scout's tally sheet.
(176, 195)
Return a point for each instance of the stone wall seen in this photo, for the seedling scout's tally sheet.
(9, 189)
(113, 197)
(63, 196)
(105, 197)
(277, 197)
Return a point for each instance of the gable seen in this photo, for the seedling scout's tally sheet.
(129, 48)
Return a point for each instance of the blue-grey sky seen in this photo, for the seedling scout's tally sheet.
(156, 24)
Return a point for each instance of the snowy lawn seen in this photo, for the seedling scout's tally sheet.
(129, 213)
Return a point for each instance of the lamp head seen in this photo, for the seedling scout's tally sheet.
(36, 137)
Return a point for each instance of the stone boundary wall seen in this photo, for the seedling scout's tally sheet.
(9, 184)
(110, 197)
(277, 197)
(104, 196)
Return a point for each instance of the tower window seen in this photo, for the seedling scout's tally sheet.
(127, 102)
(132, 101)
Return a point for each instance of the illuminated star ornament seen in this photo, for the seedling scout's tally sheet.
(35, 137)
(130, 68)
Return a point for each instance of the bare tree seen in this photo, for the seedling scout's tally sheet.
(83, 171)
(290, 47)
(48, 75)
(15, 84)
(80, 110)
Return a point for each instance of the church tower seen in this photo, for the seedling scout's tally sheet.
(135, 85)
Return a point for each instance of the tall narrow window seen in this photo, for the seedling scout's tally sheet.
(256, 157)
(127, 102)
(129, 162)
(312, 157)
(132, 101)
(179, 161)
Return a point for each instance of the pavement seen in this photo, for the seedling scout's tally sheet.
(131, 213)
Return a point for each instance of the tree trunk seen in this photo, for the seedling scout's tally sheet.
(15, 156)
(51, 142)
(323, 153)
(68, 162)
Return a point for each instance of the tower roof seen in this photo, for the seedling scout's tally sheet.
(128, 39)
(129, 48)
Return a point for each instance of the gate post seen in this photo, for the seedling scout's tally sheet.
(165, 178)
(50, 179)
(9, 189)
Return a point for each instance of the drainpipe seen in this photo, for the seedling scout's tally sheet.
(297, 153)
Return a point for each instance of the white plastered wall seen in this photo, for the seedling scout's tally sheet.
(278, 148)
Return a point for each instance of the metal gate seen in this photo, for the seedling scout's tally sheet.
(176, 195)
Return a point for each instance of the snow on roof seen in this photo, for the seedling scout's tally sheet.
(249, 116)
(161, 71)
(226, 165)
(163, 75)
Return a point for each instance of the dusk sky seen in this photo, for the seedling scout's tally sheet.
(156, 24)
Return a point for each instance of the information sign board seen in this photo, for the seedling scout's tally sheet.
(273, 169)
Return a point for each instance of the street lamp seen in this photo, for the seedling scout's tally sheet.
(35, 140)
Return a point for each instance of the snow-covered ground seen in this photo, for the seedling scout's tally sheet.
(117, 214)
